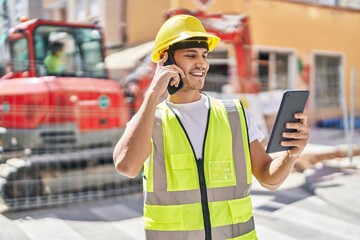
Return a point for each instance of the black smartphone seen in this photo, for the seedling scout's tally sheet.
(293, 101)
(173, 89)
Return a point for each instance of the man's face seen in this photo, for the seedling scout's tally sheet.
(194, 63)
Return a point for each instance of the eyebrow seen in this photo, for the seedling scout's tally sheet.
(194, 51)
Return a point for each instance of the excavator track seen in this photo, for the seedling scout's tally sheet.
(60, 178)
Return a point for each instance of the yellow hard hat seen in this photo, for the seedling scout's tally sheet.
(179, 28)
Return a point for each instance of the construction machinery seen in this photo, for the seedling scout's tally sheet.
(54, 123)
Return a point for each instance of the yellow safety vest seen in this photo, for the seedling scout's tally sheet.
(208, 198)
(53, 64)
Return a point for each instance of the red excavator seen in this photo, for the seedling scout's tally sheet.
(59, 111)
(76, 106)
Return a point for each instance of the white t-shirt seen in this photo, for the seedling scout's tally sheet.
(193, 117)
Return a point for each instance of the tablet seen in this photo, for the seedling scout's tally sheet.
(293, 101)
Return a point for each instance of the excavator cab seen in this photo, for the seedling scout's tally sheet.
(60, 114)
(81, 54)
(58, 94)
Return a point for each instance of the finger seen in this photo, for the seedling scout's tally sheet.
(172, 82)
(172, 77)
(179, 70)
(175, 80)
(301, 117)
(302, 135)
(163, 59)
(296, 126)
(294, 143)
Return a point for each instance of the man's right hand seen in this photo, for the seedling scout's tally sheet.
(163, 75)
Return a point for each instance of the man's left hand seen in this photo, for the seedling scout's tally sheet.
(299, 138)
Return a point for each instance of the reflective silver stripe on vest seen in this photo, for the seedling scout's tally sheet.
(217, 233)
(160, 196)
(242, 187)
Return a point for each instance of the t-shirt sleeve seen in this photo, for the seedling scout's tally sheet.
(254, 132)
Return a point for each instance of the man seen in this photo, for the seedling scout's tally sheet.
(198, 162)
(53, 62)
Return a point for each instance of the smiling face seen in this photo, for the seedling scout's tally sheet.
(194, 63)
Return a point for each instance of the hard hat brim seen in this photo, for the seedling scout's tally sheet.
(212, 41)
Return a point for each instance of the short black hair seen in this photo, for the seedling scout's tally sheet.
(194, 42)
(56, 46)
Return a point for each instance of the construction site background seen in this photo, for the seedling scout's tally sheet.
(315, 55)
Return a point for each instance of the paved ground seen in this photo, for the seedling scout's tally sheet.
(291, 213)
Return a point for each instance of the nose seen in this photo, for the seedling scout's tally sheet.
(201, 63)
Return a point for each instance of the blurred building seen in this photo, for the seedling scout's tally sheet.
(303, 44)
(125, 22)
(18, 8)
(311, 44)
(110, 15)
(10, 12)
(4, 25)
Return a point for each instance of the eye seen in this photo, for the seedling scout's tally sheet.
(205, 54)
(190, 55)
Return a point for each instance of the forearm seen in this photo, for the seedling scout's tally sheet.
(277, 170)
(134, 146)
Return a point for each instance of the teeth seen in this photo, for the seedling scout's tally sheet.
(197, 73)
